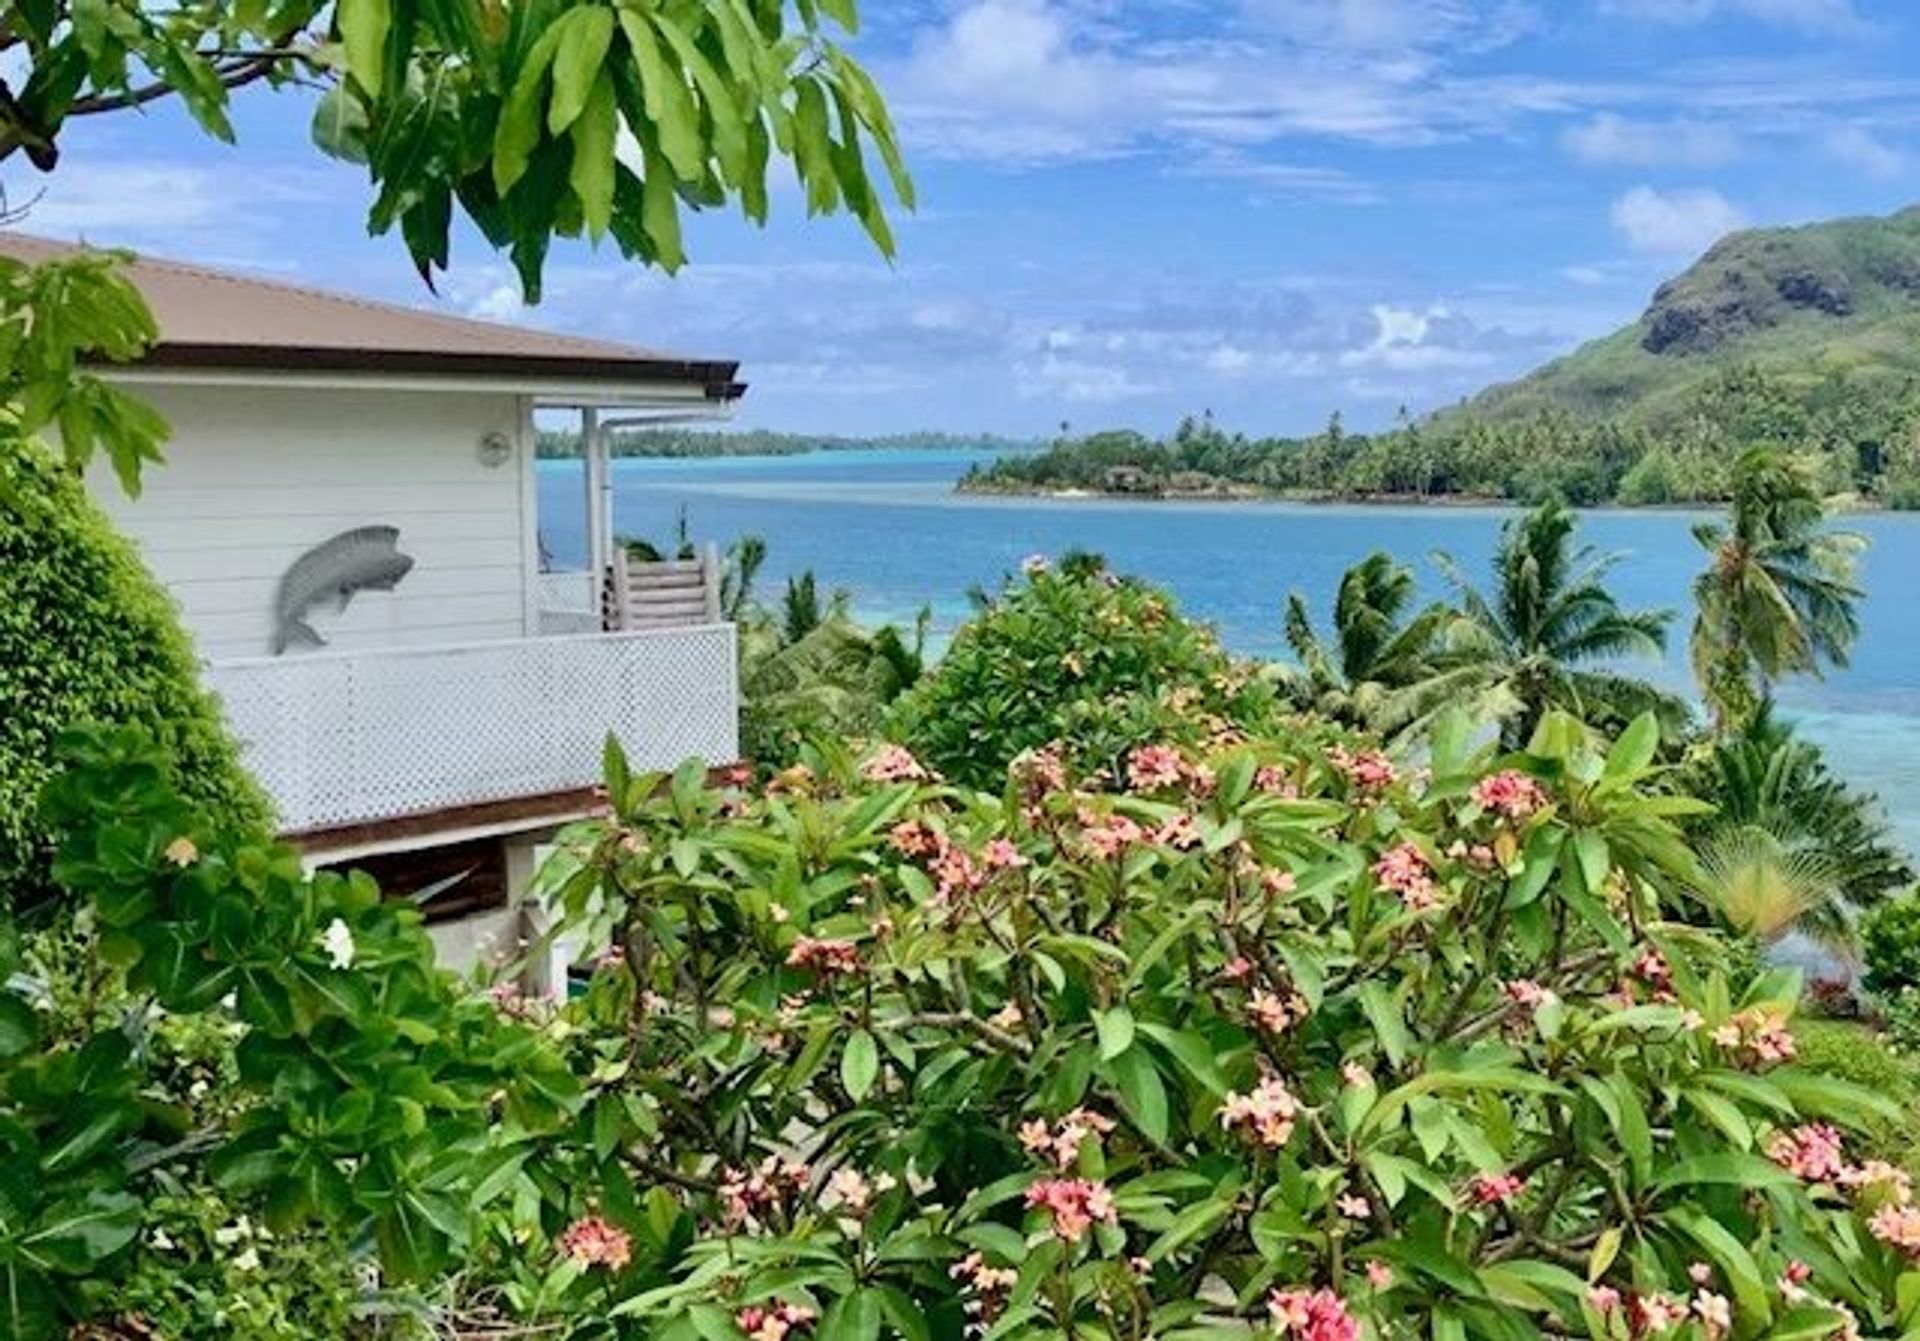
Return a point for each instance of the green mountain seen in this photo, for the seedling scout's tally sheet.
(1824, 311)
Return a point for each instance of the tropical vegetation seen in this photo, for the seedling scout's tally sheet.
(568, 118)
(1193, 1048)
(1073, 657)
(1800, 339)
(1779, 595)
(88, 635)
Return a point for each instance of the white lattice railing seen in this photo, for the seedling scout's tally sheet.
(344, 738)
(565, 603)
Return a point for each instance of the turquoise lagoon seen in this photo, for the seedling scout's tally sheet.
(887, 527)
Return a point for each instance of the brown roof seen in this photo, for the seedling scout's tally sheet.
(218, 319)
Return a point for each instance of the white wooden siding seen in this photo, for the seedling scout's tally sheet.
(256, 476)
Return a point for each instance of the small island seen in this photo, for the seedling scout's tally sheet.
(1805, 339)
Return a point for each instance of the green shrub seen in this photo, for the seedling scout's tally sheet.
(1854, 1052)
(1890, 938)
(87, 635)
(1075, 655)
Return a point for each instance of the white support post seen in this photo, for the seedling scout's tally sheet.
(547, 959)
(599, 505)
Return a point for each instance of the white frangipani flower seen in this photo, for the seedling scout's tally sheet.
(337, 941)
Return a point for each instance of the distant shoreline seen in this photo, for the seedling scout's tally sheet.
(688, 444)
(1246, 493)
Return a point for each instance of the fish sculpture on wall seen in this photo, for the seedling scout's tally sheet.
(366, 558)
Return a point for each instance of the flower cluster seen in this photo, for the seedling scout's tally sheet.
(1812, 1152)
(853, 1192)
(894, 763)
(1074, 1204)
(1266, 1115)
(1039, 772)
(1275, 1014)
(1368, 771)
(1651, 968)
(1494, 1189)
(1317, 1315)
(987, 1289)
(1153, 768)
(773, 1320)
(1757, 1036)
(1001, 854)
(1511, 795)
(593, 1242)
(1061, 1143)
(749, 1198)
(828, 958)
(1406, 871)
(515, 1004)
(1107, 837)
(1528, 993)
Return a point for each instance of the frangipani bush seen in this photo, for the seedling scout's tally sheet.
(1280, 1038)
(1077, 655)
(1288, 1037)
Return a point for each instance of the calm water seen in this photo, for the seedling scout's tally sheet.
(886, 526)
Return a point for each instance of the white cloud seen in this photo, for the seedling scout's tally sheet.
(1586, 276)
(1078, 381)
(1837, 17)
(1858, 149)
(1026, 82)
(1680, 222)
(168, 207)
(1610, 138)
(1395, 25)
(1411, 341)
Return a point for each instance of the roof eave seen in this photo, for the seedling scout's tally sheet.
(717, 380)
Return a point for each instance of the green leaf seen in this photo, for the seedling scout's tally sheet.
(75, 1236)
(1742, 1273)
(1634, 751)
(1193, 1052)
(585, 34)
(668, 100)
(19, 1028)
(1115, 1028)
(852, 1317)
(28, 1311)
(1818, 1094)
(722, 107)
(363, 34)
(1142, 1094)
(1596, 861)
(1383, 1013)
(660, 207)
(1724, 1168)
(859, 1065)
(1187, 1226)
(1724, 1114)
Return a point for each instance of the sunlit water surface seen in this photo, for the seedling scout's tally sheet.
(887, 527)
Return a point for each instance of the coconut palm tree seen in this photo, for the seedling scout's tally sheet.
(1541, 640)
(1779, 597)
(813, 671)
(1376, 648)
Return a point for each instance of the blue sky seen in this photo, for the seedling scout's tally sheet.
(1130, 211)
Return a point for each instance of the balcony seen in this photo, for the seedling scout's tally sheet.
(359, 738)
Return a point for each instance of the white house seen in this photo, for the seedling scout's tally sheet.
(348, 518)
